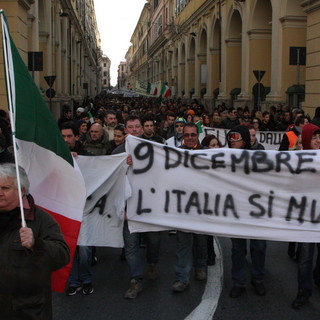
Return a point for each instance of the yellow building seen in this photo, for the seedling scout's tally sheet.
(245, 52)
(138, 76)
(58, 39)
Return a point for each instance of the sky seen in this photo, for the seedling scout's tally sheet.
(116, 22)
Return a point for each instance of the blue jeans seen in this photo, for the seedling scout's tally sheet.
(191, 247)
(81, 267)
(153, 246)
(258, 254)
(132, 253)
(305, 266)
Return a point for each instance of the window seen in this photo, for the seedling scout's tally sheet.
(155, 4)
(180, 5)
(159, 25)
(143, 48)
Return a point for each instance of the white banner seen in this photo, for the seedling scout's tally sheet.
(269, 139)
(105, 180)
(141, 87)
(226, 192)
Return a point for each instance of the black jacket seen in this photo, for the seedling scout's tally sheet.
(25, 275)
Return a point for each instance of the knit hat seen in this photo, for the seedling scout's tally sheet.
(79, 123)
(80, 109)
(99, 116)
(190, 111)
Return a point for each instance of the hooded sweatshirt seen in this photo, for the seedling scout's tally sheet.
(244, 131)
(307, 132)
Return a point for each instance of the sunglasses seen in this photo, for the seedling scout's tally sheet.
(234, 136)
(192, 135)
(179, 125)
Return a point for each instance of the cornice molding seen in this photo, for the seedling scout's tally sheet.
(25, 4)
(310, 5)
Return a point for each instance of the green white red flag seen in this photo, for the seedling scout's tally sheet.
(55, 183)
(165, 91)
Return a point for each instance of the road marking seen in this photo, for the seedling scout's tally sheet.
(210, 298)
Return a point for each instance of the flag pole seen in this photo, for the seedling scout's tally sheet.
(8, 65)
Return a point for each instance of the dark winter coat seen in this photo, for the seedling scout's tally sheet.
(25, 275)
(228, 123)
(97, 148)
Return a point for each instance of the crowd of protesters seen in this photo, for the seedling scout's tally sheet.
(99, 127)
(277, 118)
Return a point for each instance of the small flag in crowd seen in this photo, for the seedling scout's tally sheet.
(55, 184)
(165, 91)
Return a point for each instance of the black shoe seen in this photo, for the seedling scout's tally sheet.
(236, 291)
(301, 299)
(87, 288)
(71, 291)
(259, 288)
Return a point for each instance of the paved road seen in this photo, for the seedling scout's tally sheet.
(281, 285)
(111, 279)
(158, 302)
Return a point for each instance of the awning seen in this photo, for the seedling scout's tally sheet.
(296, 88)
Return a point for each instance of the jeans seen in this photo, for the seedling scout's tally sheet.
(190, 246)
(305, 266)
(316, 271)
(81, 267)
(132, 253)
(153, 246)
(258, 254)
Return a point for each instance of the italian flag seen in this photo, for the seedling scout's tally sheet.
(165, 91)
(56, 185)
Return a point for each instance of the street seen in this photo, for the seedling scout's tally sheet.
(156, 301)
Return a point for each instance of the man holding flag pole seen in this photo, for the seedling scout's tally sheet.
(41, 151)
(29, 254)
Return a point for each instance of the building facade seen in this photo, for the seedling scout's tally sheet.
(105, 72)
(246, 52)
(123, 74)
(57, 39)
(138, 52)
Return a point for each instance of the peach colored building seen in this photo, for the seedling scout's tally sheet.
(245, 52)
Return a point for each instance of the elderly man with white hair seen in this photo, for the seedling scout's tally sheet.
(29, 254)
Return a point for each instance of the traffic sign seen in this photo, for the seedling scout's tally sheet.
(50, 80)
(50, 93)
(259, 74)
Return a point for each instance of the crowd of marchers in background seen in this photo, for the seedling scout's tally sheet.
(99, 127)
(109, 111)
